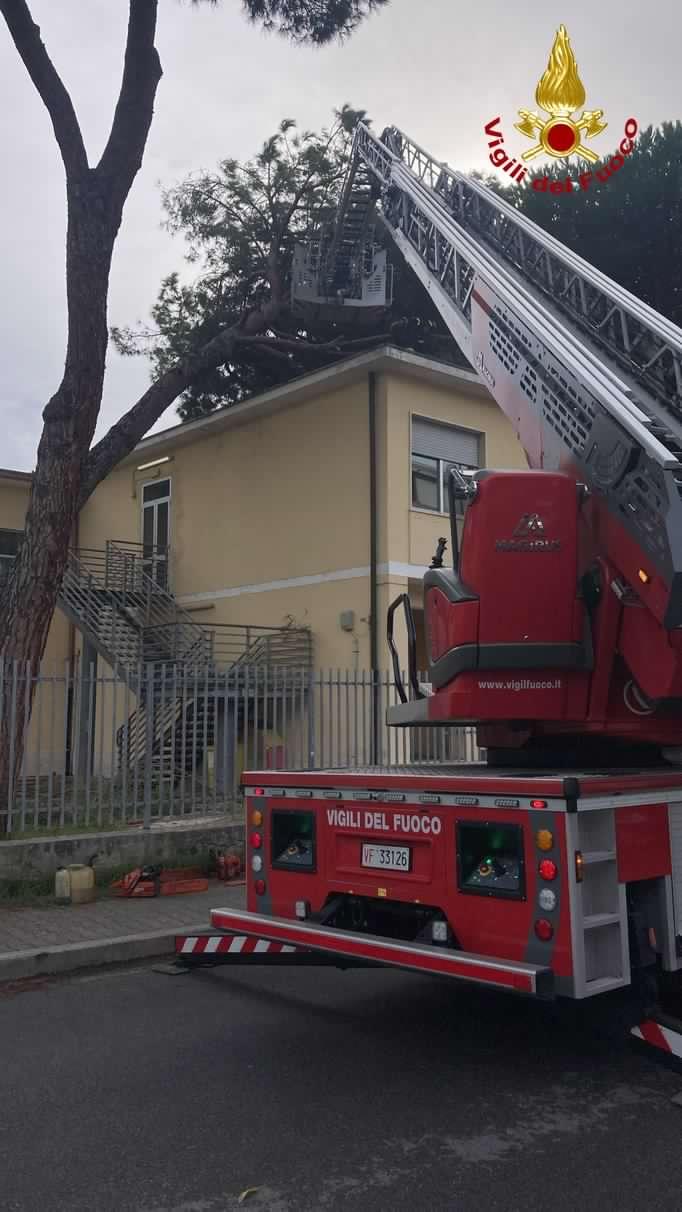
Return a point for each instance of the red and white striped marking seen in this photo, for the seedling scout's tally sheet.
(659, 1037)
(221, 944)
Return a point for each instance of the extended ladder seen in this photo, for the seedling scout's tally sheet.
(597, 372)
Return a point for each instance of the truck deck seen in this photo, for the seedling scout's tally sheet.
(473, 777)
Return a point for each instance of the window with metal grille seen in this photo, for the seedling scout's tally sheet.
(436, 448)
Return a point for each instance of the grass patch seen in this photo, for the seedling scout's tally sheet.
(234, 811)
(20, 894)
(40, 831)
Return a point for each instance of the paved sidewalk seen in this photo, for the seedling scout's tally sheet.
(61, 938)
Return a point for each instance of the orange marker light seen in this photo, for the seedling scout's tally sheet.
(544, 839)
(257, 817)
(644, 576)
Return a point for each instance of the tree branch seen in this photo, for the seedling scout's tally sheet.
(132, 427)
(26, 37)
(122, 156)
(123, 437)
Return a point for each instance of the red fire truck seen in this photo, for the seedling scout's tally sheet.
(554, 869)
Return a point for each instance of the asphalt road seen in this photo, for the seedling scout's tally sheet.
(359, 1091)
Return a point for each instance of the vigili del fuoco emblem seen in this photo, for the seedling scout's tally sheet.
(560, 93)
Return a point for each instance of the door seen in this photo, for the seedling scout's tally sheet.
(156, 499)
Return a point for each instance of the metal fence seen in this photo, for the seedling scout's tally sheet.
(172, 741)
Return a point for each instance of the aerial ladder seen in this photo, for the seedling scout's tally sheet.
(562, 615)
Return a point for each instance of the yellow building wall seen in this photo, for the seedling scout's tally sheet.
(317, 606)
(44, 751)
(415, 542)
(409, 536)
(13, 505)
(286, 496)
(277, 497)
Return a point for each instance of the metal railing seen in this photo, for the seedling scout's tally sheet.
(100, 754)
(133, 619)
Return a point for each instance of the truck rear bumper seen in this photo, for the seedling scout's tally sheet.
(511, 975)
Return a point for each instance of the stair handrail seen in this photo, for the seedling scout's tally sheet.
(189, 641)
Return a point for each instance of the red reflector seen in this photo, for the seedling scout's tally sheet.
(548, 870)
(544, 929)
(259, 791)
(256, 840)
(538, 803)
(260, 887)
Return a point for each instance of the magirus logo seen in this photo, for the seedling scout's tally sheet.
(530, 523)
(528, 536)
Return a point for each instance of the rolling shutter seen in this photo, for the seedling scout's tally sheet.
(438, 441)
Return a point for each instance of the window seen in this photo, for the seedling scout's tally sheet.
(156, 499)
(435, 449)
(490, 859)
(9, 547)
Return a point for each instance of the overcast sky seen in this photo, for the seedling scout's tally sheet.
(439, 69)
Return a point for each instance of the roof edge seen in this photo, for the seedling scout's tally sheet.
(385, 357)
(7, 473)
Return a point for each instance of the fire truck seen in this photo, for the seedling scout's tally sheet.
(554, 868)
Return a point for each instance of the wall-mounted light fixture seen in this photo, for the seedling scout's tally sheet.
(154, 465)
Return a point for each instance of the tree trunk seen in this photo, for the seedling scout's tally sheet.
(69, 422)
(95, 201)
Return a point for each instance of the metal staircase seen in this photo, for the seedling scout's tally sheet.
(176, 721)
(176, 668)
(130, 619)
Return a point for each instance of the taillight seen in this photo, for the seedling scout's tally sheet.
(260, 887)
(548, 870)
(256, 840)
(259, 791)
(538, 803)
(579, 866)
(544, 929)
(544, 839)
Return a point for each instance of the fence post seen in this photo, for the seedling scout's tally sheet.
(311, 719)
(87, 689)
(375, 713)
(148, 747)
(12, 743)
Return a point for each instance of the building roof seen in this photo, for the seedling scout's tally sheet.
(6, 473)
(350, 370)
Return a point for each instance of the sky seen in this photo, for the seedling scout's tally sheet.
(438, 69)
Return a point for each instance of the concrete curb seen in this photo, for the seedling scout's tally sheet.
(70, 957)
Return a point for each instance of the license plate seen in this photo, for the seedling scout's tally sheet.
(386, 858)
